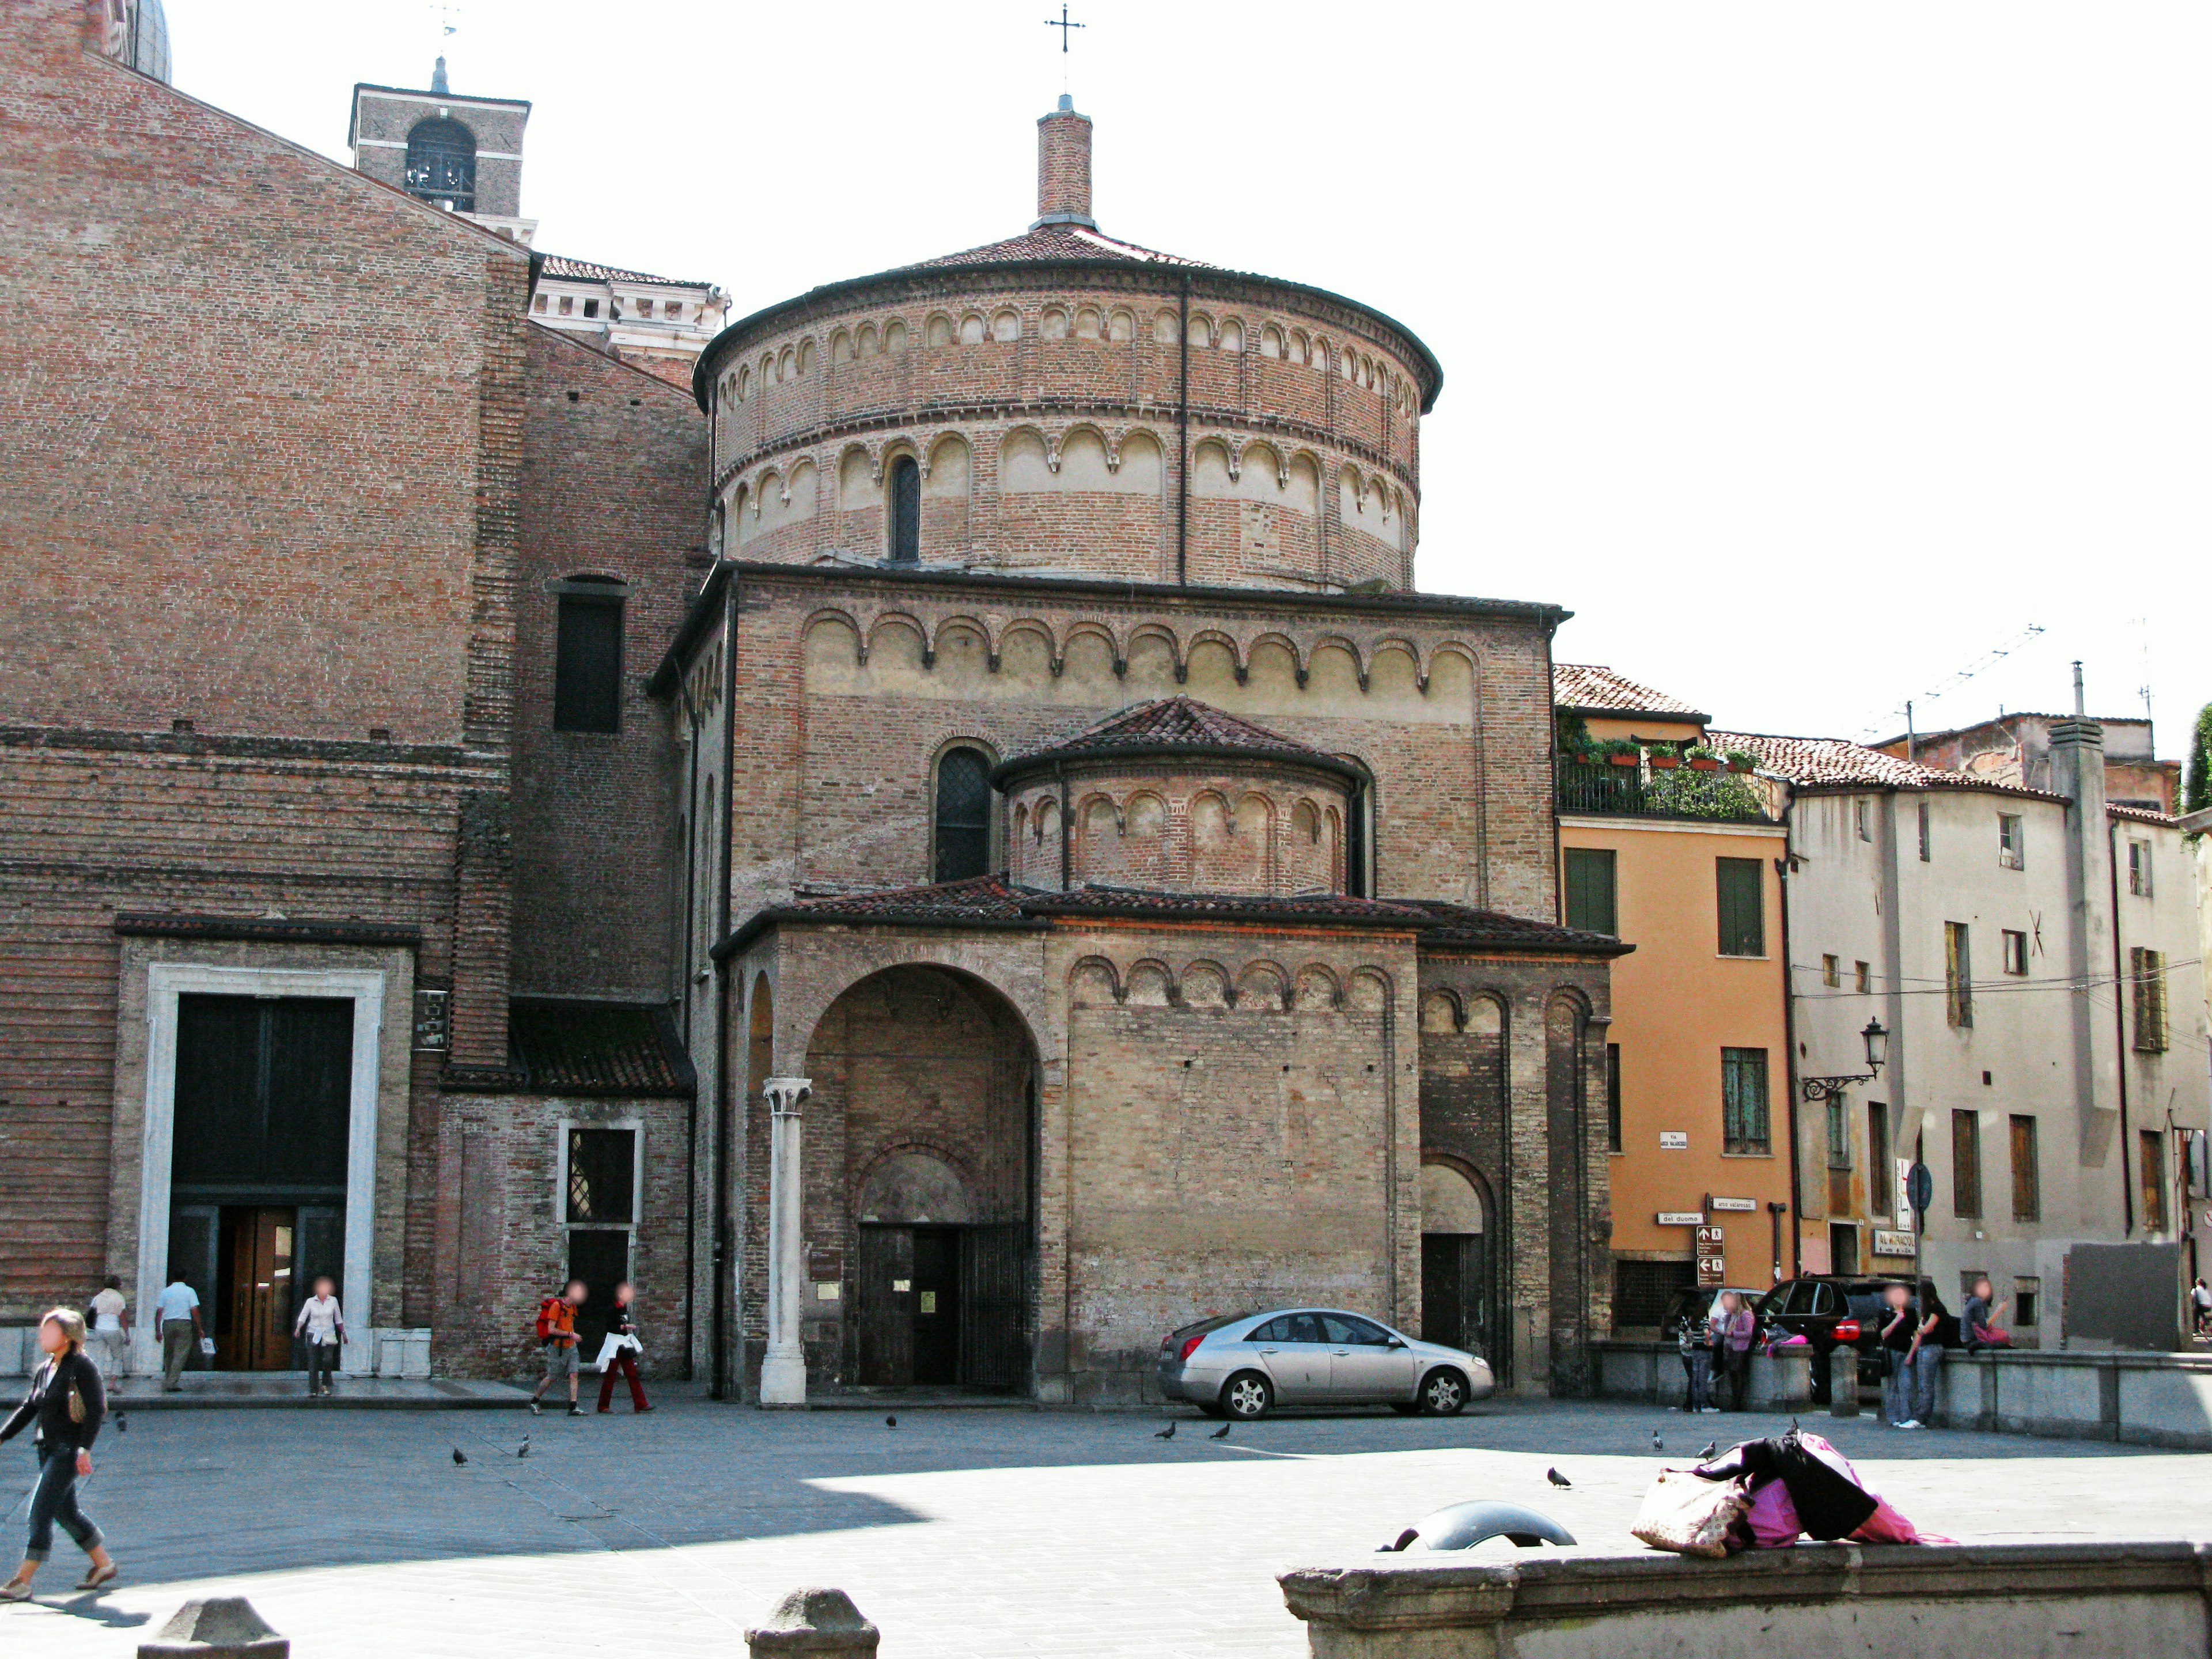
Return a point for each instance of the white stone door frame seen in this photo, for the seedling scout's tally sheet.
(165, 982)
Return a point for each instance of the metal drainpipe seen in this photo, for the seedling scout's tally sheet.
(2120, 1035)
(723, 1093)
(1790, 1057)
(1183, 448)
(691, 930)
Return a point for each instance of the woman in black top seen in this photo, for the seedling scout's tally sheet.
(66, 1404)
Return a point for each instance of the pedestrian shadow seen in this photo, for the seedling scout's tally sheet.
(93, 1611)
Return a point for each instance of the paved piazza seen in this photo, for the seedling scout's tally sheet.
(983, 1532)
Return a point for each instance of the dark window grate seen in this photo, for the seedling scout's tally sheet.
(964, 815)
(906, 511)
(588, 665)
(602, 1176)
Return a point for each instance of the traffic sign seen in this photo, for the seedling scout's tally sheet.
(1920, 1189)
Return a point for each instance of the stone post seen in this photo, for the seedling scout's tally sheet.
(217, 1627)
(783, 1371)
(822, 1624)
(1843, 1381)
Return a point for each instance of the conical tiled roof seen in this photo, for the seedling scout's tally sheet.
(1045, 242)
(1171, 725)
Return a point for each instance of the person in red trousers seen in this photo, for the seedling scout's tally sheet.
(623, 1324)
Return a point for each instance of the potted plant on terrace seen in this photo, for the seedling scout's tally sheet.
(1700, 758)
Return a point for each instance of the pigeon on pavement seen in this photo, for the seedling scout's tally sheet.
(890, 1422)
(1557, 1478)
(1168, 1434)
(523, 1450)
(1221, 1433)
(1711, 1446)
(457, 1459)
(1658, 1444)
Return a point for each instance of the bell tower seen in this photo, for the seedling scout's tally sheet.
(461, 153)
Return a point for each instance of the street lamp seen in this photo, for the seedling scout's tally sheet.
(1876, 1039)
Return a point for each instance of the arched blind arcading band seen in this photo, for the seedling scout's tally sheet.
(441, 164)
(964, 815)
(906, 513)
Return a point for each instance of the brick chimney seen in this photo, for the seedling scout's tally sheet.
(1064, 167)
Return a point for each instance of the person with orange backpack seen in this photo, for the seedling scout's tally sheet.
(556, 1334)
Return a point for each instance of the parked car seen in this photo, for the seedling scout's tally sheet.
(1244, 1365)
(1831, 1310)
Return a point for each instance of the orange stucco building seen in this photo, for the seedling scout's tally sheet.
(1675, 852)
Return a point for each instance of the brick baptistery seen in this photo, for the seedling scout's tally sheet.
(951, 851)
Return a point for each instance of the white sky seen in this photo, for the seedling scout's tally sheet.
(1808, 354)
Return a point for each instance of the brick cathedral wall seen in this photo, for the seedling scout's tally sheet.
(501, 1237)
(263, 439)
(613, 484)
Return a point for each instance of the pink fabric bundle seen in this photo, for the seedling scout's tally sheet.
(1773, 1518)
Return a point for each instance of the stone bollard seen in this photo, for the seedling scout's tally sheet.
(1844, 1382)
(219, 1627)
(822, 1624)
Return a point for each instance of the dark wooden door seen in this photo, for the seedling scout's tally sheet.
(1456, 1291)
(994, 1302)
(600, 1257)
(936, 1306)
(884, 1284)
(1441, 1313)
(257, 1336)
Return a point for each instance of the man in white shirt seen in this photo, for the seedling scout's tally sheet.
(110, 1335)
(177, 1328)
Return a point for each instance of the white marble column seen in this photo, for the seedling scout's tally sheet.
(783, 1371)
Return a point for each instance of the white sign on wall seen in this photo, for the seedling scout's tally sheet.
(1891, 1242)
(1673, 1140)
(1681, 1217)
(1734, 1203)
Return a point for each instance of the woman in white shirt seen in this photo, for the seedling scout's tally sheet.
(323, 1325)
(110, 1335)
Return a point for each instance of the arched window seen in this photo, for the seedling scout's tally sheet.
(906, 511)
(441, 164)
(964, 815)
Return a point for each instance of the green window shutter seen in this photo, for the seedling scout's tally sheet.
(1590, 892)
(1744, 1114)
(1743, 907)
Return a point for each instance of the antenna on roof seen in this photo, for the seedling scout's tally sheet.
(448, 25)
(1980, 665)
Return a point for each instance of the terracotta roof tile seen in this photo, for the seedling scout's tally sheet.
(563, 1047)
(1815, 762)
(1594, 689)
(1177, 722)
(2140, 815)
(1048, 242)
(559, 265)
(994, 902)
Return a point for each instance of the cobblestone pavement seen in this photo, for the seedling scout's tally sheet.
(960, 1532)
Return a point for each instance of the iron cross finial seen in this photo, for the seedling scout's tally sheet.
(1063, 26)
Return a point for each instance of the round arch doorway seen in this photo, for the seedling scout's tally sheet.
(925, 1085)
(1455, 1260)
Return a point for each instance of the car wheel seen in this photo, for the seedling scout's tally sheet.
(1246, 1395)
(1443, 1393)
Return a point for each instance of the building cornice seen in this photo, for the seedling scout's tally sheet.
(1128, 276)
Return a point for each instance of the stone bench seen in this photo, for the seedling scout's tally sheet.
(2088, 1600)
(1653, 1371)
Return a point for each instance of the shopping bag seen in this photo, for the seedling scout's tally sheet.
(1689, 1515)
(207, 1347)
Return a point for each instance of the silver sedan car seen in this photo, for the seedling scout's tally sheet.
(1247, 1365)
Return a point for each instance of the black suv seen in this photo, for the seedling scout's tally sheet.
(1829, 1311)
